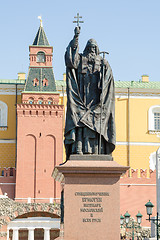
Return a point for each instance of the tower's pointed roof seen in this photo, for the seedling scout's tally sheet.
(41, 39)
(40, 76)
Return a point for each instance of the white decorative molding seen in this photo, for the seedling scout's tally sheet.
(151, 111)
(154, 132)
(3, 128)
(10, 209)
(139, 143)
(138, 96)
(7, 141)
(35, 222)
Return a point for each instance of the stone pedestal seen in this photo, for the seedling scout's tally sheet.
(91, 197)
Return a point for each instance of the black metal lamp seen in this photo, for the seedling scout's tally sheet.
(127, 216)
(121, 220)
(139, 217)
(149, 208)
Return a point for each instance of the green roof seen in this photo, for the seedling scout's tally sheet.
(124, 84)
(60, 83)
(12, 81)
(36, 73)
(137, 84)
(40, 74)
(41, 39)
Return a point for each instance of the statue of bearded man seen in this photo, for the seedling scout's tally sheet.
(89, 116)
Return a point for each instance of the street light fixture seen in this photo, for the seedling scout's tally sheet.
(121, 220)
(149, 208)
(156, 221)
(139, 217)
(127, 217)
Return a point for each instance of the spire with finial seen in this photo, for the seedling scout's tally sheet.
(40, 76)
(40, 17)
(41, 39)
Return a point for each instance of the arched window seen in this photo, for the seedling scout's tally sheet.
(35, 82)
(45, 82)
(40, 100)
(50, 101)
(154, 118)
(41, 57)
(31, 100)
(3, 114)
(11, 172)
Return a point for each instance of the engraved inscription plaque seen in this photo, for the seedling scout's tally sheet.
(91, 203)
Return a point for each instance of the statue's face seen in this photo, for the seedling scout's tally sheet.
(92, 49)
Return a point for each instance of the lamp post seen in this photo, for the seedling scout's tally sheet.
(156, 221)
(133, 226)
(121, 220)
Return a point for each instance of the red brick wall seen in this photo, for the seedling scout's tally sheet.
(40, 148)
(136, 191)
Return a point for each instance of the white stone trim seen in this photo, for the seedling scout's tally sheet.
(15, 234)
(7, 234)
(35, 222)
(30, 200)
(31, 233)
(46, 233)
(119, 96)
(139, 143)
(38, 198)
(153, 132)
(7, 141)
(3, 128)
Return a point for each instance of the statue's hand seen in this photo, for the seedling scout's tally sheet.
(77, 31)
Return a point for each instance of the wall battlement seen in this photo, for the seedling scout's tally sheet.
(131, 174)
(7, 173)
(141, 176)
(39, 110)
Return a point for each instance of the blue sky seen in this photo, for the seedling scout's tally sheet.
(129, 30)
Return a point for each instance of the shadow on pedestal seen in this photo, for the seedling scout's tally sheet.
(91, 197)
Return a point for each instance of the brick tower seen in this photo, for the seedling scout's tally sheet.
(39, 129)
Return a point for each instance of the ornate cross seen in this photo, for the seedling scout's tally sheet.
(78, 21)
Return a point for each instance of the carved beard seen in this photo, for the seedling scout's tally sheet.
(91, 57)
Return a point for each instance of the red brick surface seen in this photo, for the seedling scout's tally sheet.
(135, 192)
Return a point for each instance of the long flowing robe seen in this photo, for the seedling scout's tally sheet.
(84, 95)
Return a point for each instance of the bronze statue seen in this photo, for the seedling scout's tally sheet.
(90, 117)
